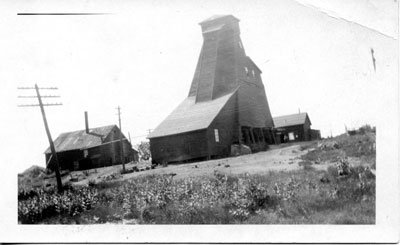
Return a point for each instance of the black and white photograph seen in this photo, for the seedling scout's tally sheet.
(200, 121)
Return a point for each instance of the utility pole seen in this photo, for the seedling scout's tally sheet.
(46, 126)
(120, 140)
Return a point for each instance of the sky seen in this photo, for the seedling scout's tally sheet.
(315, 57)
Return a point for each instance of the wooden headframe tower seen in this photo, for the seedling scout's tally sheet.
(226, 104)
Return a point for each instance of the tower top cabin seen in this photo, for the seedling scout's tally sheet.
(223, 64)
(217, 22)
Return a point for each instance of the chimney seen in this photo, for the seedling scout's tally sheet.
(87, 128)
(86, 122)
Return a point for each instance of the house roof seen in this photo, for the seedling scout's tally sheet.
(190, 116)
(77, 140)
(290, 120)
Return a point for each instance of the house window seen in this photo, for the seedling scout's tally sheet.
(254, 74)
(246, 70)
(291, 136)
(216, 135)
(85, 153)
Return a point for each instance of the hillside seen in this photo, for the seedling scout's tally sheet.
(321, 182)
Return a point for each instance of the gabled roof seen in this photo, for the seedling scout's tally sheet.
(190, 116)
(290, 120)
(77, 140)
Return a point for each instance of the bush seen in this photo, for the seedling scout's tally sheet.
(294, 197)
(159, 199)
(47, 203)
(276, 197)
(144, 150)
(307, 165)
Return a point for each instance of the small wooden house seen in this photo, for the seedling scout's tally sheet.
(92, 148)
(295, 127)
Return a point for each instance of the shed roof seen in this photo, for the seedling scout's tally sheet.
(190, 116)
(290, 120)
(77, 140)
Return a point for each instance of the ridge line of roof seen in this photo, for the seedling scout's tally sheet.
(111, 125)
(71, 133)
(301, 113)
(229, 97)
(159, 135)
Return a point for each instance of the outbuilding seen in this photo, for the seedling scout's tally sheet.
(294, 127)
(91, 148)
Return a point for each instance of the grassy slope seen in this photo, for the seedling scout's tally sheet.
(298, 194)
(301, 199)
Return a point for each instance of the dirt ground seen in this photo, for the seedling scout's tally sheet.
(278, 158)
(283, 157)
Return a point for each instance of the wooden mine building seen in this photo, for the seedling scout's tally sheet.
(91, 148)
(226, 103)
(294, 127)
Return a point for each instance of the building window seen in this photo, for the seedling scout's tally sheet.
(254, 74)
(216, 135)
(291, 136)
(246, 70)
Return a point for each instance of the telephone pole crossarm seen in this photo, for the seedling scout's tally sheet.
(52, 88)
(43, 96)
(48, 104)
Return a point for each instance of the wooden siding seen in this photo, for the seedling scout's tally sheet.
(303, 132)
(228, 129)
(179, 147)
(227, 54)
(253, 107)
(66, 159)
(207, 68)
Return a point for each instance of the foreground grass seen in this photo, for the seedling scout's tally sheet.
(297, 197)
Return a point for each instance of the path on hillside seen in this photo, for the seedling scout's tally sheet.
(281, 159)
